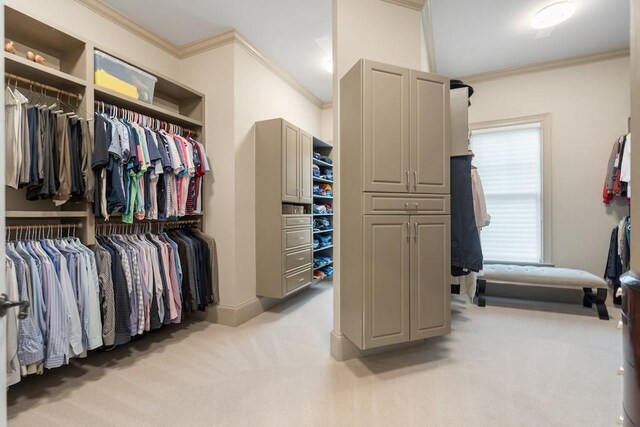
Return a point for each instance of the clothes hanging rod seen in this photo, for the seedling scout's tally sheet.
(147, 222)
(43, 226)
(46, 87)
(102, 105)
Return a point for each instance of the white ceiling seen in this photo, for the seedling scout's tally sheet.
(284, 30)
(472, 36)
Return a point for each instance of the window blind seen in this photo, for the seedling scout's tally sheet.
(509, 162)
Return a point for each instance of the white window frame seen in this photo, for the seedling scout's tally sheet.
(544, 121)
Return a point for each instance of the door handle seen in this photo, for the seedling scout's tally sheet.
(406, 206)
(415, 231)
(299, 259)
(5, 305)
(408, 180)
(408, 231)
(415, 180)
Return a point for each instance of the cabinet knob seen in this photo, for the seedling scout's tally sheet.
(621, 370)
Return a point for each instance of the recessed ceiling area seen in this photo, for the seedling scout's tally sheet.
(292, 33)
(472, 37)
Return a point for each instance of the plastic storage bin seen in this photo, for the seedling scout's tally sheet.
(118, 76)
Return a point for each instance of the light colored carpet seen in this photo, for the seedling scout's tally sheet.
(501, 366)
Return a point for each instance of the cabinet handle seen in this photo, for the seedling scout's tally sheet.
(299, 259)
(415, 180)
(415, 231)
(408, 180)
(301, 279)
(407, 204)
(408, 231)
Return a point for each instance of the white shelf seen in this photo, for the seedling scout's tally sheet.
(323, 197)
(321, 163)
(22, 67)
(322, 248)
(326, 214)
(323, 231)
(155, 111)
(326, 265)
(45, 214)
(316, 179)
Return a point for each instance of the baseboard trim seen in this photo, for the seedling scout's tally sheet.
(342, 349)
(236, 316)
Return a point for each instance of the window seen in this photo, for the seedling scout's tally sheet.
(509, 159)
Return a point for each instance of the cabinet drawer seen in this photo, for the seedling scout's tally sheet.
(393, 204)
(292, 239)
(294, 281)
(296, 259)
(294, 221)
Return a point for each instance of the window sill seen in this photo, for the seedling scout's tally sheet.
(529, 264)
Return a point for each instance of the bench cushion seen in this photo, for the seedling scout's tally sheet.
(542, 276)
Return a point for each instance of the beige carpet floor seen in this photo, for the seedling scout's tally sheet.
(510, 364)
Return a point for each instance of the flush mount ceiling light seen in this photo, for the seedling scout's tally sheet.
(553, 15)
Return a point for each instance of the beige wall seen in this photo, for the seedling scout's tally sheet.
(197, 72)
(73, 17)
(589, 106)
(380, 31)
(326, 134)
(259, 94)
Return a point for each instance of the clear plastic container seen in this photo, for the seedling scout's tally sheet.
(118, 76)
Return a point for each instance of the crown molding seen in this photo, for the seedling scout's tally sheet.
(207, 43)
(327, 105)
(285, 76)
(411, 4)
(106, 11)
(427, 30)
(578, 60)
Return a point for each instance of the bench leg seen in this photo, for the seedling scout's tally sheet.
(588, 298)
(481, 290)
(601, 297)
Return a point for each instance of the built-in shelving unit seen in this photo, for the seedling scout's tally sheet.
(323, 182)
(69, 67)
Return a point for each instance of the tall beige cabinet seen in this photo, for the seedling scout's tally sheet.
(284, 253)
(395, 213)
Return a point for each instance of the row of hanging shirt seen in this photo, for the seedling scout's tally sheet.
(618, 178)
(59, 279)
(618, 256)
(47, 150)
(146, 173)
(153, 280)
(83, 298)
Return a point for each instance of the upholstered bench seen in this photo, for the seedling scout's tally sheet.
(548, 277)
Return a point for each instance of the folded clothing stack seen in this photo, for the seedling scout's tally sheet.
(322, 209)
(320, 224)
(316, 171)
(321, 261)
(322, 190)
(326, 174)
(323, 272)
(322, 241)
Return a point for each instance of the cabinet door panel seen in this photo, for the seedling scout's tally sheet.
(429, 133)
(290, 163)
(430, 264)
(306, 154)
(386, 280)
(386, 128)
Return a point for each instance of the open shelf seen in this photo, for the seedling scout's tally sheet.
(321, 163)
(323, 197)
(327, 214)
(326, 265)
(322, 248)
(22, 67)
(111, 97)
(46, 214)
(323, 231)
(316, 179)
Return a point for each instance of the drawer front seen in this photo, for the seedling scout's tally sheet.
(631, 393)
(390, 204)
(296, 259)
(292, 239)
(293, 221)
(296, 280)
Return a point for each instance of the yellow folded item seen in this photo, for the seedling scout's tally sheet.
(106, 80)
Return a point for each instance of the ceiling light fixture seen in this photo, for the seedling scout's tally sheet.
(329, 66)
(553, 15)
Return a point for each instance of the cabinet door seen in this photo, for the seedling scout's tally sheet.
(386, 128)
(290, 163)
(429, 133)
(386, 280)
(430, 264)
(306, 154)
